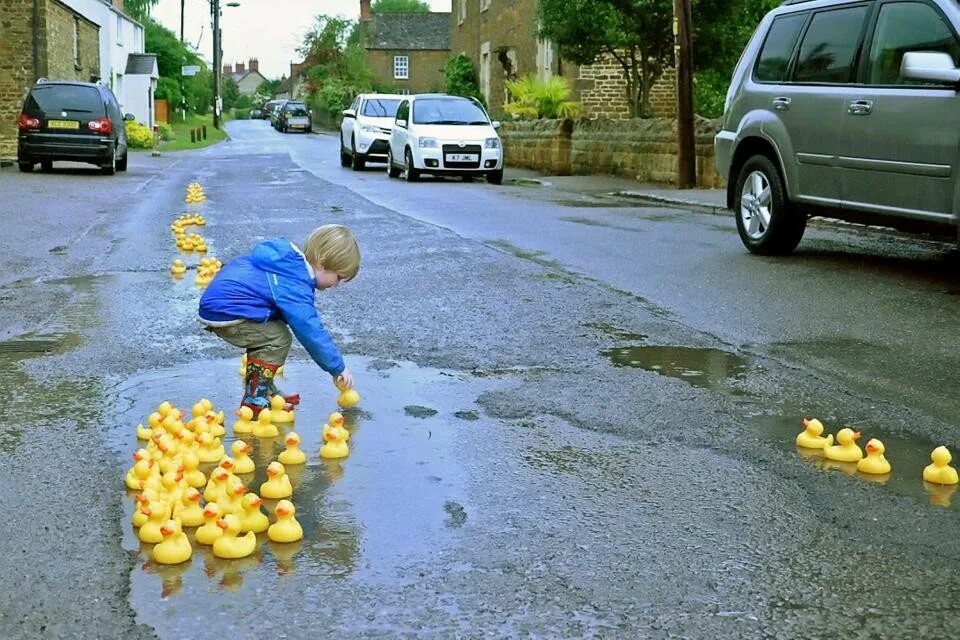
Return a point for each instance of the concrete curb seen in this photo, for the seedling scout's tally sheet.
(682, 203)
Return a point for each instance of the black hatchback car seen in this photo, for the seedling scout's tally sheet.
(77, 121)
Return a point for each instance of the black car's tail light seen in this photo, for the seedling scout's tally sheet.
(29, 123)
(103, 126)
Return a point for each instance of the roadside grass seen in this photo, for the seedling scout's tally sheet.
(181, 130)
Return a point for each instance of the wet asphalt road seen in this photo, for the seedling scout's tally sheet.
(577, 421)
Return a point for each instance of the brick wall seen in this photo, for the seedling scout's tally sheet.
(18, 70)
(603, 91)
(643, 149)
(426, 69)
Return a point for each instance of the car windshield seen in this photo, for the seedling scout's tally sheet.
(447, 111)
(297, 109)
(65, 98)
(380, 107)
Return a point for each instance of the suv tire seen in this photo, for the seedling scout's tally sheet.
(412, 173)
(358, 162)
(767, 221)
(392, 171)
(122, 162)
(26, 167)
(344, 156)
(110, 167)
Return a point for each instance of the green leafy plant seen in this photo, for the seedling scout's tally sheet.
(460, 77)
(166, 131)
(534, 98)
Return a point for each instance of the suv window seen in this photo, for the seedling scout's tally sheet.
(403, 110)
(380, 107)
(447, 111)
(296, 109)
(830, 45)
(903, 27)
(778, 48)
(65, 97)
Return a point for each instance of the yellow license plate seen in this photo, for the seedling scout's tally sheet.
(63, 124)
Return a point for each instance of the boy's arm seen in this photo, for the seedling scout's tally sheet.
(302, 318)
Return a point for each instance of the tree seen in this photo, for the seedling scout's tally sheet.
(337, 71)
(171, 56)
(399, 6)
(229, 92)
(139, 9)
(460, 77)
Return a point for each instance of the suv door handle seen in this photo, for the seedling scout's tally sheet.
(860, 107)
(781, 103)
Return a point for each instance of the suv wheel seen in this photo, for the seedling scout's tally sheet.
(358, 161)
(122, 162)
(412, 173)
(26, 167)
(392, 170)
(344, 156)
(110, 167)
(767, 221)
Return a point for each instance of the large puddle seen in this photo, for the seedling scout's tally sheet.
(396, 498)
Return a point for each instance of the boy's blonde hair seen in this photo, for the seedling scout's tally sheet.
(333, 248)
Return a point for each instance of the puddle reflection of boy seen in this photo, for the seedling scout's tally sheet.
(257, 299)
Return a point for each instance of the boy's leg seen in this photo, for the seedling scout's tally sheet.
(267, 345)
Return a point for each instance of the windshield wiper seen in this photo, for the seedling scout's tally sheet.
(479, 122)
(74, 110)
(443, 122)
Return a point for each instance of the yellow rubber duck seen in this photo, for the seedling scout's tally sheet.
(189, 510)
(252, 518)
(139, 517)
(244, 423)
(144, 433)
(191, 472)
(293, 454)
(286, 528)
(231, 500)
(846, 449)
(217, 485)
(279, 414)
(940, 472)
(242, 462)
(156, 513)
(875, 462)
(175, 546)
(138, 473)
(230, 545)
(210, 449)
(164, 408)
(209, 532)
(810, 437)
(278, 483)
(348, 395)
(243, 366)
(264, 427)
(178, 268)
(335, 439)
(335, 419)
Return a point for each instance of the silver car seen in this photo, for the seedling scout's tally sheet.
(845, 109)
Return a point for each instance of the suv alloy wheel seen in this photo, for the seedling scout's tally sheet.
(767, 222)
(413, 174)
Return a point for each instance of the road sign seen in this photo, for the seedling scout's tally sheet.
(189, 70)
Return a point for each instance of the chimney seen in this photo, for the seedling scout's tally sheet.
(254, 64)
(365, 12)
(227, 69)
(240, 67)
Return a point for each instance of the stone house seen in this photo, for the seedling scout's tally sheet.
(405, 51)
(41, 39)
(247, 77)
(500, 36)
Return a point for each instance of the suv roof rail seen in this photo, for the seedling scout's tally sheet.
(789, 2)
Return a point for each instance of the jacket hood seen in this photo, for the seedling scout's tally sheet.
(282, 257)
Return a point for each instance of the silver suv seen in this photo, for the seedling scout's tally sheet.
(844, 109)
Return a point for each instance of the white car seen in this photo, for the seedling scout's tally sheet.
(442, 134)
(365, 128)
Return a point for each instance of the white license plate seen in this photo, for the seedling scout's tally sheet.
(461, 157)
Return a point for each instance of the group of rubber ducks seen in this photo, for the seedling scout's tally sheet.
(193, 242)
(195, 194)
(170, 486)
(874, 462)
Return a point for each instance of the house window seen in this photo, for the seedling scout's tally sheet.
(462, 13)
(76, 41)
(119, 30)
(401, 67)
(484, 5)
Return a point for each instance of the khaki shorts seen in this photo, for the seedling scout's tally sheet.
(267, 341)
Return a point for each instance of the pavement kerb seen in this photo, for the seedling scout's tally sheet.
(684, 203)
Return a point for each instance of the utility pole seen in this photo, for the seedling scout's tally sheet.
(683, 50)
(181, 21)
(215, 8)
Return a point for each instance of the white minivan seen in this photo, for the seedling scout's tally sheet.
(365, 128)
(442, 134)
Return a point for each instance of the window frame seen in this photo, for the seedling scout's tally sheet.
(461, 11)
(857, 57)
(484, 5)
(76, 41)
(863, 69)
(119, 29)
(397, 66)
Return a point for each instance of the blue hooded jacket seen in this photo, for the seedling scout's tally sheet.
(274, 281)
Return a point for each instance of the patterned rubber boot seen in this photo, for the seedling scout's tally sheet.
(292, 399)
(256, 391)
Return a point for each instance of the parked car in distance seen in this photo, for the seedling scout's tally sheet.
(294, 116)
(267, 109)
(256, 113)
(844, 109)
(75, 121)
(442, 134)
(365, 128)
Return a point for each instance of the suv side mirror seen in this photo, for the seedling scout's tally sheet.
(929, 65)
(495, 124)
(349, 113)
(402, 123)
(129, 117)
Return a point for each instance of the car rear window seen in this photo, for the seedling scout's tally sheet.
(381, 107)
(778, 48)
(447, 111)
(297, 109)
(65, 98)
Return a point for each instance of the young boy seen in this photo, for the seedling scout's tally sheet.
(257, 299)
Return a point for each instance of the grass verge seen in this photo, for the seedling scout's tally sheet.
(182, 129)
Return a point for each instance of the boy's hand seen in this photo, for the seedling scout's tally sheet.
(345, 378)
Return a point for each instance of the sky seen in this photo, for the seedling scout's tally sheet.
(269, 30)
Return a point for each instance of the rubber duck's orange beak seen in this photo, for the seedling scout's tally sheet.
(856, 435)
(242, 490)
(166, 530)
(222, 524)
(208, 513)
(145, 511)
(256, 502)
(806, 422)
(237, 411)
(282, 511)
(872, 447)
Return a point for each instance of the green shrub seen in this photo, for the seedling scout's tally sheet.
(710, 92)
(535, 98)
(241, 113)
(460, 78)
(139, 136)
(166, 131)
